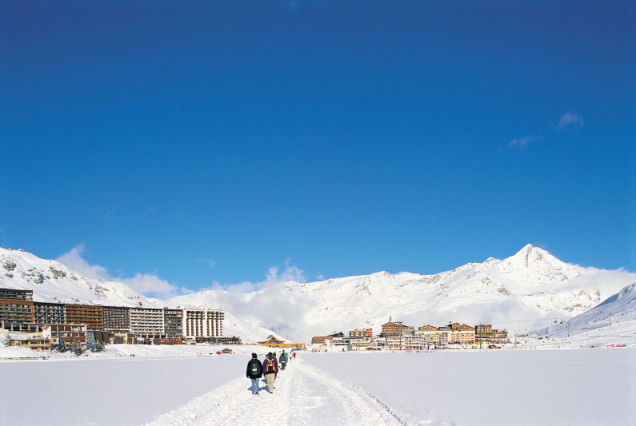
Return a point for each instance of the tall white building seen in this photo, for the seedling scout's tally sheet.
(147, 322)
(202, 323)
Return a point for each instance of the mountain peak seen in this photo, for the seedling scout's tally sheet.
(530, 254)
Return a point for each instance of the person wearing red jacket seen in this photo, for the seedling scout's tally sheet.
(270, 368)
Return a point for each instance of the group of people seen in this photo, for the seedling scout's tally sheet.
(268, 368)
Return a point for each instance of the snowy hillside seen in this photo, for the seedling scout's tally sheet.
(52, 281)
(613, 321)
(522, 292)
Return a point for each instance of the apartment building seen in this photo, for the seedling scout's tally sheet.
(147, 322)
(202, 323)
(91, 315)
(14, 311)
(49, 313)
(13, 294)
(173, 323)
(116, 318)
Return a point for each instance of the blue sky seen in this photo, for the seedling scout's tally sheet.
(208, 142)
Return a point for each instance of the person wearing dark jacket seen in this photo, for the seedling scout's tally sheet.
(283, 360)
(254, 372)
(270, 367)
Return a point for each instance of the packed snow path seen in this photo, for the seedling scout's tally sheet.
(303, 395)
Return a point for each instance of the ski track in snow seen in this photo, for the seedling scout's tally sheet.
(303, 395)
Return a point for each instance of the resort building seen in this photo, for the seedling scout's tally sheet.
(367, 332)
(69, 333)
(49, 313)
(395, 328)
(91, 315)
(483, 332)
(147, 322)
(9, 293)
(15, 311)
(173, 323)
(116, 318)
(202, 323)
(31, 335)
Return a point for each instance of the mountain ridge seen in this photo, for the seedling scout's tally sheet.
(520, 293)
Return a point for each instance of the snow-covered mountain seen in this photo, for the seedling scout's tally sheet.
(520, 293)
(524, 292)
(613, 321)
(52, 281)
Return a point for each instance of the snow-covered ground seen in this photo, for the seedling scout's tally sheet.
(166, 387)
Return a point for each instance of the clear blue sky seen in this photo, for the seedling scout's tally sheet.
(205, 141)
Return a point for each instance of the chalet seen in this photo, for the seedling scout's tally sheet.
(273, 342)
(367, 332)
(394, 328)
(320, 340)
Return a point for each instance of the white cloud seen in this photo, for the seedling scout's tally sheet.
(290, 273)
(74, 260)
(150, 285)
(147, 284)
(568, 120)
(521, 142)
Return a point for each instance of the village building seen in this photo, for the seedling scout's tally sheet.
(320, 340)
(29, 335)
(483, 333)
(500, 337)
(274, 342)
(395, 328)
(366, 332)
(69, 333)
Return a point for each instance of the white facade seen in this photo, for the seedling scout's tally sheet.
(202, 323)
(146, 322)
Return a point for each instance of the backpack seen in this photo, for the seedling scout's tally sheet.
(270, 366)
(254, 368)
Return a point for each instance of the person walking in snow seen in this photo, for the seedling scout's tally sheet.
(270, 367)
(294, 355)
(254, 372)
(277, 365)
(283, 360)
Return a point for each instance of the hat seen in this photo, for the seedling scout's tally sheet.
(254, 355)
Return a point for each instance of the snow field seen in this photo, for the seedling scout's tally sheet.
(507, 387)
(303, 395)
(511, 387)
(129, 391)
